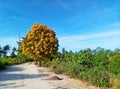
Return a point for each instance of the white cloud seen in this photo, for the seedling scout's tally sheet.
(80, 41)
(106, 11)
(8, 40)
(64, 5)
(80, 37)
(104, 39)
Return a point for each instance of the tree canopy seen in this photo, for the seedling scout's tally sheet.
(40, 42)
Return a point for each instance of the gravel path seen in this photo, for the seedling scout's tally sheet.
(28, 76)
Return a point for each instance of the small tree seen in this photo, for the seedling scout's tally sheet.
(1, 51)
(40, 42)
(6, 48)
(13, 52)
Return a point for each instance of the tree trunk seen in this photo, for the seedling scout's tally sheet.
(36, 62)
(39, 63)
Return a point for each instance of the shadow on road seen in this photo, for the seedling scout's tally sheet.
(10, 85)
(5, 77)
(8, 74)
(11, 69)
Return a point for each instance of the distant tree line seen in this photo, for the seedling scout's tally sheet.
(5, 49)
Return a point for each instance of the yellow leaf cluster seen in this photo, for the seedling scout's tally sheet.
(40, 42)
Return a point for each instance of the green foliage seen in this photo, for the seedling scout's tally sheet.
(45, 62)
(93, 65)
(21, 58)
(60, 69)
(118, 82)
(2, 65)
(4, 61)
(5, 50)
(8, 61)
(1, 51)
(13, 52)
(100, 77)
(115, 63)
(96, 66)
(13, 58)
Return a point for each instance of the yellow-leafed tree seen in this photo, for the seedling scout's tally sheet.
(40, 42)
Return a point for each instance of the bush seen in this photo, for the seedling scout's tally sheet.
(118, 81)
(59, 70)
(59, 66)
(85, 64)
(9, 61)
(4, 61)
(100, 77)
(2, 65)
(114, 66)
(46, 62)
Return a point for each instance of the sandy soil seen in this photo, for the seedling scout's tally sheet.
(28, 76)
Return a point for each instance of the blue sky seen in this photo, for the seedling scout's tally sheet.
(78, 24)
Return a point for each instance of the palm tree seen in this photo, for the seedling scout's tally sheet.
(1, 51)
(13, 52)
(6, 48)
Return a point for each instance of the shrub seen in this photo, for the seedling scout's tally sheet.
(114, 66)
(100, 77)
(2, 65)
(98, 67)
(59, 66)
(118, 81)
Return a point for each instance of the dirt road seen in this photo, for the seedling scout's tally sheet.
(28, 76)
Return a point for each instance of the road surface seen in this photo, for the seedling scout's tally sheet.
(28, 76)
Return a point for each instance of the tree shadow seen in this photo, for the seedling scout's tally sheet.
(12, 73)
(10, 85)
(7, 84)
(11, 69)
(5, 77)
(8, 74)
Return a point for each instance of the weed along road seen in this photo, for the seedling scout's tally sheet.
(28, 76)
